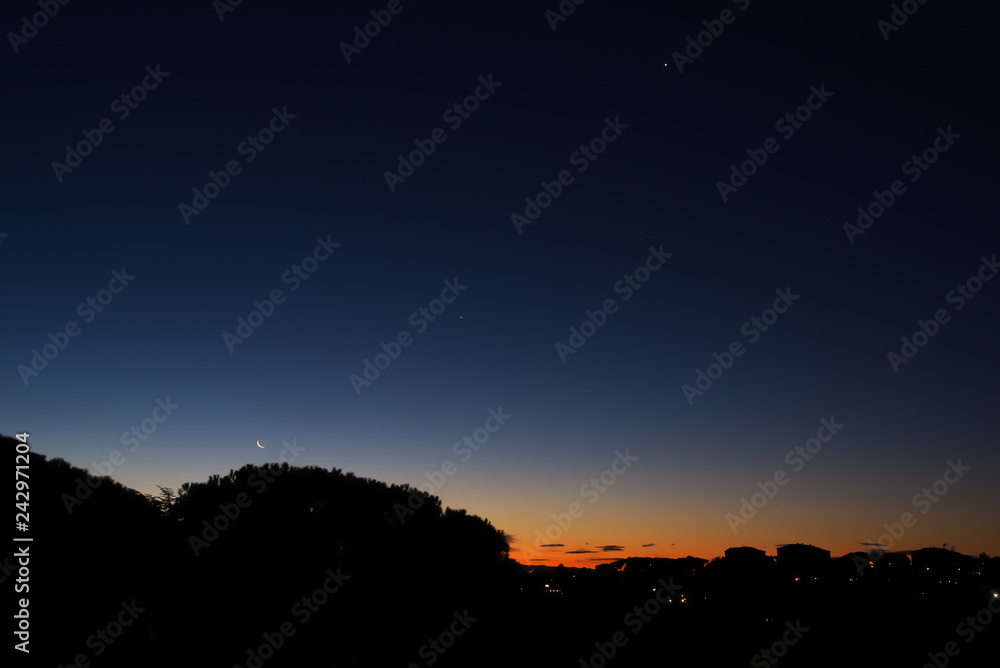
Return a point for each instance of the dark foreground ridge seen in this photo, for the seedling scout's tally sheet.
(284, 566)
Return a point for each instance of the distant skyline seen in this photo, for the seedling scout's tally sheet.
(718, 275)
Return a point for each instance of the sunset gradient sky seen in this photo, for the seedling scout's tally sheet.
(494, 346)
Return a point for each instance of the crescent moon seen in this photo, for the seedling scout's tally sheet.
(258, 444)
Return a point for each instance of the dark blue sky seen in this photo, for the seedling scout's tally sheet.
(681, 128)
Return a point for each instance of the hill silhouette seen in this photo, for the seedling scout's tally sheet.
(220, 563)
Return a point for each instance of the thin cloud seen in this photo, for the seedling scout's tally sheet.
(581, 551)
(553, 545)
(648, 544)
(611, 548)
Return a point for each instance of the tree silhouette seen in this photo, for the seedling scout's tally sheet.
(162, 501)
